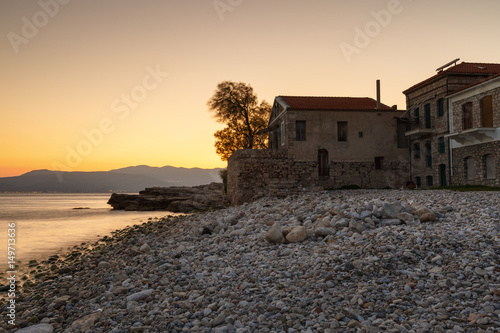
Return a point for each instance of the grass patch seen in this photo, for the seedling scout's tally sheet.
(467, 188)
(345, 187)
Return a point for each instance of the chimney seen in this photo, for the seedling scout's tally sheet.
(378, 94)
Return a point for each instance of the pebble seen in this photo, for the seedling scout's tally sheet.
(333, 264)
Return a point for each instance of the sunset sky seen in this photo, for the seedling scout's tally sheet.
(97, 85)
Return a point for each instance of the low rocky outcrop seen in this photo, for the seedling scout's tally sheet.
(173, 199)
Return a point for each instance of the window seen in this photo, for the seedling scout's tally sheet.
(487, 112)
(430, 181)
(300, 130)
(467, 115)
(440, 107)
(470, 168)
(416, 116)
(342, 131)
(282, 132)
(361, 135)
(428, 152)
(416, 150)
(379, 163)
(418, 181)
(441, 145)
(427, 116)
(489, 161)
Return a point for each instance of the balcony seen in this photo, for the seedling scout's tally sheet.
(419, 132)
(474, 135)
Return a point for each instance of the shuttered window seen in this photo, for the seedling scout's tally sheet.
(300, 130)
(342, 131)
(427, 116)
(440, 107)
(487, 111)
(441, 145)
(467, 115)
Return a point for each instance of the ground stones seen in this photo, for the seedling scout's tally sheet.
(275, 234)
(355, 218)
(360, 269)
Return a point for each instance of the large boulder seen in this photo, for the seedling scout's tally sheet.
(390, 210)
(275, 234)
(425, 214)
(298, 234)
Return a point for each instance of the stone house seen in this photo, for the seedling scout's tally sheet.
(428, 110)
(355, 141)
(475, 133)
(323, 141)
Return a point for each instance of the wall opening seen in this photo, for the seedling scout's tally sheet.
(442, 175)
(489, 161)
(470, 170)
(323, 168)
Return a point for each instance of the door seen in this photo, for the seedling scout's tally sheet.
(323, 169)
(442, 175)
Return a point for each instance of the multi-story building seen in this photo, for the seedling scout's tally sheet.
(428, 110)
(475, 133)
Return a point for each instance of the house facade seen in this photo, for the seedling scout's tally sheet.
(354, 141)
(475, 133)
(429, 111)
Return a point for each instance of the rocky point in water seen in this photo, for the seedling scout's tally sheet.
(173, 199)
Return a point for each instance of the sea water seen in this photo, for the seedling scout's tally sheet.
(46, 224)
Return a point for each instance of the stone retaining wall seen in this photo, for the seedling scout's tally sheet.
(253, 174)
(393, 174)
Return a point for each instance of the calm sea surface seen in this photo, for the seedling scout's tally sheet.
(48, 223)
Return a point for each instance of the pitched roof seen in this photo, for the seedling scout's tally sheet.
(475, 84)
(332, 103)
(471, 68)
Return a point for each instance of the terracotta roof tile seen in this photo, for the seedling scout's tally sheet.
(332, 103)
(463, 68)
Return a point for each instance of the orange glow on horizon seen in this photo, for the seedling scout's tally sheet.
(131, 88)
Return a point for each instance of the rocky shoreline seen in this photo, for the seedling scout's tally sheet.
(176, 199)
(362, 261)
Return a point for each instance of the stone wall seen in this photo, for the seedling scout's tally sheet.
(478, 153)
(365, 175)
(253, 174)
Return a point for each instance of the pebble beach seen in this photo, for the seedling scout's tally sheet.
(325, 261)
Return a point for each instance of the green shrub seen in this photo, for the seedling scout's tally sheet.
(223, 176)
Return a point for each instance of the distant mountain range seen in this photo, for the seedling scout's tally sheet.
(130, 179)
